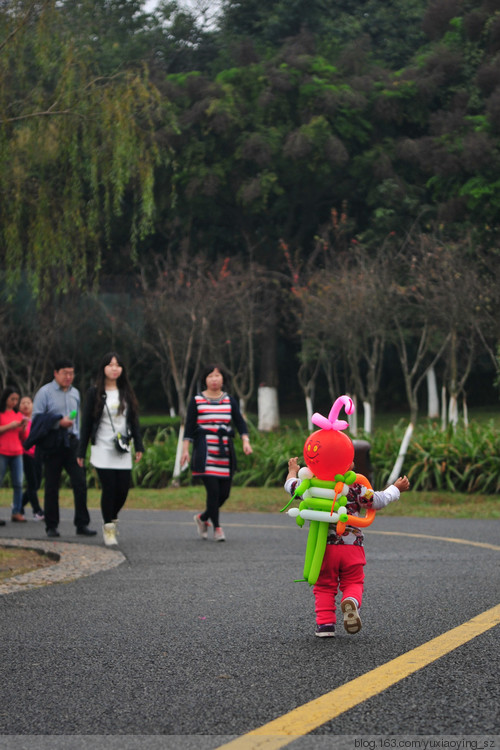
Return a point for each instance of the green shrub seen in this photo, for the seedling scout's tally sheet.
(461, 460)
(464, 461)
(156, 468)
(267, 466)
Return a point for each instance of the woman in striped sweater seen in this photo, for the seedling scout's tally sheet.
(208, 428)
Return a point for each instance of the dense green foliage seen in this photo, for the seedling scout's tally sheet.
(461, 460)
(76, 148)
(464, 460)
(317, 145)
(390, 108)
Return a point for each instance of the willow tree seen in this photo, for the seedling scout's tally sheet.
(77, 153)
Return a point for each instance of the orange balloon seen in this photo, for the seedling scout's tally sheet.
(359, 521)
(361, 479)
(328, 452)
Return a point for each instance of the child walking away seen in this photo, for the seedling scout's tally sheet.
(344, 560)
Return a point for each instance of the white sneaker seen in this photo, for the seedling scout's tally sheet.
(202, 526)
(219, 534)
(352, 620)
(109, 534)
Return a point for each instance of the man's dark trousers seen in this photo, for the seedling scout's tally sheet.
(54, 463)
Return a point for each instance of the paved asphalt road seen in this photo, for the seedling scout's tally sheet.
(189, 643)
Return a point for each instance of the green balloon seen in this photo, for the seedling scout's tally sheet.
(317, 503)
(303, 486)
(310, 547)
(315, 482)
(319, 553)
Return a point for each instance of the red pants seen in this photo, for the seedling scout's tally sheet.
(342, 568)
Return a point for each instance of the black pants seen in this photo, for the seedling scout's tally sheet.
(32, 467)
(54, 463)
(115, 484)
(217, 493)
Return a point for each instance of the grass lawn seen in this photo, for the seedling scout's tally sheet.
(271, 500)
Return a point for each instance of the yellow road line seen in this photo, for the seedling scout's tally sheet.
(484, 545)
(287, 527)
(304, 719)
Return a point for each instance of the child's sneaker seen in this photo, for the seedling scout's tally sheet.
(38, 516)
(202, 526)
(352, 620)
(219, 534)
(325, 631)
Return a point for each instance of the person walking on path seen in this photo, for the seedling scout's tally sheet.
(111, 410)
(12, 426)
(344, 560)
(208, 427)
(55, 428)
(32, 464)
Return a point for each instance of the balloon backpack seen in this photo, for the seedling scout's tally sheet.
(325, 481)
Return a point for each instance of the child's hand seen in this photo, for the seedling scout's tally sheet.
(402, 484)
(293, 465)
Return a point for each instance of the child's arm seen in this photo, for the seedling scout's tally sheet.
(384, 497)
(402, 484)
(292, 480)
(293, 468)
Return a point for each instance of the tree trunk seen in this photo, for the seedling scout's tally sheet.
(353, 418)
(367, 414)
(396, 472)
(453, 410)
(243, 407)
(443, 408)
(309, 412)
(177, 465)
(268, 409)
(466, 411)
(267, 401)
(432, 394)
(453, 403)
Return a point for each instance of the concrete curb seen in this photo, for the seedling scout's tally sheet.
(74, 561)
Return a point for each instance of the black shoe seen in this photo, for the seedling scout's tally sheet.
(53, 532)
(2, 523)
(85, 531)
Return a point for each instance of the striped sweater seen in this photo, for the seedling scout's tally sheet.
(208, 426)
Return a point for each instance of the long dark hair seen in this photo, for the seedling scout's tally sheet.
(7, 391)
(125, 390)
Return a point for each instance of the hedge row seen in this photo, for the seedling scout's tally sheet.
(461, 460)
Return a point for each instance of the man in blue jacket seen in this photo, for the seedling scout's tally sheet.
(55, 428)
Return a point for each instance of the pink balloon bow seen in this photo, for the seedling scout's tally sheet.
(332, 423)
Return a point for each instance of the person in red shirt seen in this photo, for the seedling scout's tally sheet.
(12, 425)
(32, 464)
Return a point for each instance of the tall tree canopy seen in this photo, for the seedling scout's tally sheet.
(126, 136)
(76, 148)
(392, 30)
